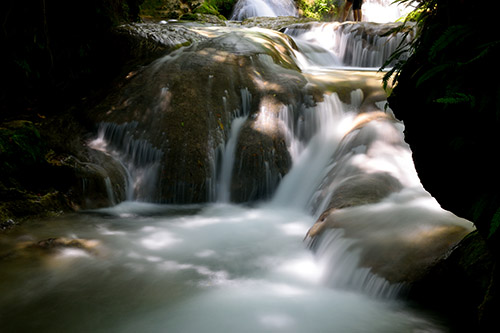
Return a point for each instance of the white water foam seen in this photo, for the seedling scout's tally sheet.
(335, 45)
(270, 8)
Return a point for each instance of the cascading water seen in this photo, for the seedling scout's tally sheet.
(139, 157)
(226, 166)
(326, 124)
(221, 267)
(228, 160)
(362, 45)
(270, 8)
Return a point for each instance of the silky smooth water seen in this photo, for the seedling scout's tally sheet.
(210, 268)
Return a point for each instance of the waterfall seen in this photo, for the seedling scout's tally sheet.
(224, 158)
(323, 128)
(224, 190)
(362, 45)
(346, 222)
(360, 163)
(344, 161)
(139, 157)
(271, 8)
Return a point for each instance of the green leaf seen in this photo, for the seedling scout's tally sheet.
(435, 70)
(453, 35)
(458, 98)
(495, 223)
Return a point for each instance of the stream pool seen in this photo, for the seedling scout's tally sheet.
(161, 268)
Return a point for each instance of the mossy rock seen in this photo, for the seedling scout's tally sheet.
(209, 18)
(22, 205)
(20, 147)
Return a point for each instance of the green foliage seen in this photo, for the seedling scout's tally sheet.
(448, 51)
(170, 9)
(458, 98)
(419, 15)
(206, 8)
(20, 147)
(454, 35)
(495, 224)
(211, 7)
(321, 10)
(423, 8)
(223, 7)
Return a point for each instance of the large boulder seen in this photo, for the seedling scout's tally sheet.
(47, 170)
(262, 154)
(183, 104)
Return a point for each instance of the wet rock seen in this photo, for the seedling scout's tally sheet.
(22, 204)
(54, 244)
(262, 159)
(100, 181)
(358, 190)
(343, 83)
(170, 9)
(402, 255)
(204, 18)
(48, 251)
(7, 224)
(184, 103)
(140, 41)
(274, 23)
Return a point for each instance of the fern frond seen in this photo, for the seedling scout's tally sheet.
(484, 50)
(457, 98)
(433, 71)
(453, 35)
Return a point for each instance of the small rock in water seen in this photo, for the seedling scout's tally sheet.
(54, 244)
(7, 224)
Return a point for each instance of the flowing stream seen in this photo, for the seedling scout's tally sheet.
(222, 267)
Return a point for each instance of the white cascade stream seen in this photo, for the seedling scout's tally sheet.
(139, 158)
(224, 191)
(345, 45)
